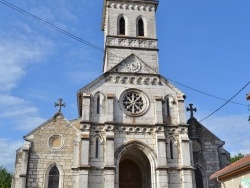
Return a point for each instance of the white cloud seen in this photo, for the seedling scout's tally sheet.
(16, 53)
(8, 152)
(233, 129)
(24, 115)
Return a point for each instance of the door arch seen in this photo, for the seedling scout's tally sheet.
(130, 175)
(140, 157)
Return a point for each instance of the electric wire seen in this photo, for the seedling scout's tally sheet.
(102, 50)
(204, 93)
(55, 27)
(225, 103)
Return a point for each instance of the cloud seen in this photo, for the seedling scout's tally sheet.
(8, 151)
(24, 115)
(233, 129)
(16, 54)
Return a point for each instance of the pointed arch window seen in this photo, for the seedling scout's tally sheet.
(122, 26)
(98, 104)
(53, 178)
(140, 27)
(171, 149)
(97, 148)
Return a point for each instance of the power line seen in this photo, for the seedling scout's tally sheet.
(204, 93)
(92, 45)
(54, 27)
(225, 102)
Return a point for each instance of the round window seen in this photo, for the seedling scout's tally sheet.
(56, 142)
(134, 102)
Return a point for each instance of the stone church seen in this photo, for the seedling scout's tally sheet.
(131, 130)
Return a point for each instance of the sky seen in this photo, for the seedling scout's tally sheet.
(204, 45)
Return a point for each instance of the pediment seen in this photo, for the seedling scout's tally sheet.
(133, 64)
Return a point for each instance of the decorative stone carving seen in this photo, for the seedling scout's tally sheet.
(138, 80)
(134, 102)
(132, 42)
(138, 130)
(126, 6)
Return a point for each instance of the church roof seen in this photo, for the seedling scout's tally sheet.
(235, 167)
(194, 120)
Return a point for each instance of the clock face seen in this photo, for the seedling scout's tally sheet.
(133, 66)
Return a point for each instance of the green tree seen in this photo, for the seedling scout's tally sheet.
(236, 157)
(5, 178)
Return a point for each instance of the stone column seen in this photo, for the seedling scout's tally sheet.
(182, 111)
(24, 164)
(84, 155)
(185, 159)
(109, 169)
(110, 108)
(86, 107)
(158, 110)
(162, 170)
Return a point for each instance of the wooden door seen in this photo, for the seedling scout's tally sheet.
(130, 175)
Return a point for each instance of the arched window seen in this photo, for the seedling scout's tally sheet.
(140, 27)
(198, 178)
(122, 26)
(97, 148)
(98, 104)
(171, 149)
(53, 178)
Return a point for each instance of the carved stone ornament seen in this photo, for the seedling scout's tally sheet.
(130, 6)
(134, 102)
(131, 42)
(134, 130)
(137, 80)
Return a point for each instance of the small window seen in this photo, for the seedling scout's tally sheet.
(140, 27)
(97, 148)
(98, 104)
(171, 150)
(122, 26)
(53, 178)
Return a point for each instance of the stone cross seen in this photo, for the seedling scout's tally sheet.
(191, 109)
(60, 104)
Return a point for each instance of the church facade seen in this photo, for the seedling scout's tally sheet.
(131, 131)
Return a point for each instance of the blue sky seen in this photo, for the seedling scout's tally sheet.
(203, 44)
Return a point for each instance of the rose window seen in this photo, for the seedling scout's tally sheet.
(134, 103)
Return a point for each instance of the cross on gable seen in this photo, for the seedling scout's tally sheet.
(192, 110)
(60, 104)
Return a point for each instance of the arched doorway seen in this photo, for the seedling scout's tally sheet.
(130, 175)
(198, 178)
(135, 164)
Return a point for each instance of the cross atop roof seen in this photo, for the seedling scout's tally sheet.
(192, 110)
(59, 104)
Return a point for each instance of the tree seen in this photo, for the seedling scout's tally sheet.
(236, 157)
(5, 178)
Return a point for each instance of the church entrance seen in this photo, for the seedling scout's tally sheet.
(130, 175)
(134, 170)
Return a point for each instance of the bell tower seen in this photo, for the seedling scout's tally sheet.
(130, 28)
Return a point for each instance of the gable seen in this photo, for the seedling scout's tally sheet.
(56, 122)
(132, 64)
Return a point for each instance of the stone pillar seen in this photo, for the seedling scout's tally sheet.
(110, 108)
(185, 159)
(109, 169)
(158, 110)
(86, 107)
(182, 111)
(76, 141)
(84, 155)
(24, 164)
(161, 171)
